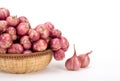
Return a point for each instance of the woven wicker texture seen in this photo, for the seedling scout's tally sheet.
(25, 63)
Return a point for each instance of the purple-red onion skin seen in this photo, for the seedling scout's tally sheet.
(27, 51)
(25, 42)
(3, 50)
(15, 49)
(12, 21)
(73, 63)
(12, 32)
(56, 33)
(23, 19)
(40, 45)
(84, 59)
(64, 43)
(4, 13)
(33, 35)
(59, 55)
(23, 28)
(5, 40)
(3, 26)
(43, 30)
(55, 44)
(50, 26)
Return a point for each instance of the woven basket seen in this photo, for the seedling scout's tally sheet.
(25, 63)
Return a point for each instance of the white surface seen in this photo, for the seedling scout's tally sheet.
(90, 24)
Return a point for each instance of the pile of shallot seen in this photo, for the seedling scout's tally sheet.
(17, 36)
(76, 62)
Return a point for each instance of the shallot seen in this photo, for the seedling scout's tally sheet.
(12, 32)
(43, 30)
(23, 28)
(23, 19)
(55, 33)
(5, 40)
(15, 49)
(64, 43)
(25, 42)
(27, 51)
(50, 26)
(4, 13)
(12, 21)
(40, 45)
(84, 59)
(59, 54)
(3, 50)
(33, 35)
(3, 26)
(55, 44)
(73, 62)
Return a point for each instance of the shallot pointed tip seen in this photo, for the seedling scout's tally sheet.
(74, 50)
(89, 52)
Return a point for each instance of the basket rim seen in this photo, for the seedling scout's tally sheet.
(48, 51)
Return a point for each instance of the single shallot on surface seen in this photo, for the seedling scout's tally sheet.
(84, 59)
(73, 63)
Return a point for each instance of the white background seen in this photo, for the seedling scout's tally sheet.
(89, 24)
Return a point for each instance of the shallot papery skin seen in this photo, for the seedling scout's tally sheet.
(55, 44)
(84, 59)
(23, 19)
(25, 42)
(49, 25)
(56, 33)
(12, 32)
(12, 21)
(59, 55)
(23, 28)
(5, 40)
(27, 51)
(3, 50)
(43, 30)
(3, 25)
(16, 48)
(33, 35)
(73, 63)
(64, 43)
(4, 13)
(40, 45)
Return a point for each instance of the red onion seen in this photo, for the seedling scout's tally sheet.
(50, 26)
(15, 49)
(25, 42)
(12, 32)
(55, 44)
(4, 13)
(23, 19)
(42, 29)
(64, 43)
(27, 51)
(59, 54)
(12, 21)
(73, 62)
(5, 40)
(84, 59)
(56, 33)
(23, 28)
(3, 25)
(3, 50)
(40, 45)
(33, 35)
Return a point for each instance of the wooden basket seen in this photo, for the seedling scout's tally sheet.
(25, 63)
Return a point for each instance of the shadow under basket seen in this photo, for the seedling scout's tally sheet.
(25, 63)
